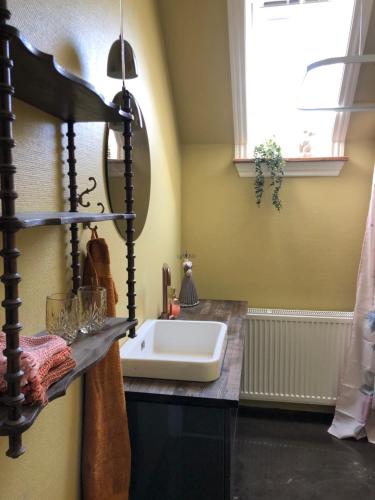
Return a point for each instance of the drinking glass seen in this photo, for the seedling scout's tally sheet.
(62, 315)
(92, 308)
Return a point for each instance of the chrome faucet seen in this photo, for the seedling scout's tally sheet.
(166, 274)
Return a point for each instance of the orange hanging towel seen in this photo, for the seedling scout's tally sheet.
(106, 459)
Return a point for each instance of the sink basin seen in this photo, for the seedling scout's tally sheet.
(176, 350)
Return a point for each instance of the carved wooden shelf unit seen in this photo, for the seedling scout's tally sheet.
(35, 78)
(86, 351)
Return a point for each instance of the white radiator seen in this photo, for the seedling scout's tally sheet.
(294, 356)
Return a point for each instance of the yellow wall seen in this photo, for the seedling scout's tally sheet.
(197, 48)
(304, 257)
(80, 33)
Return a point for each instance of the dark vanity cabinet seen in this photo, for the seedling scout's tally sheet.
(180, 451)
(183, 433)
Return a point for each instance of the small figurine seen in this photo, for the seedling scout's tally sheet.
(305, 146)
(188, 294)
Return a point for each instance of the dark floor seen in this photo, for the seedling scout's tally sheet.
(282, 455)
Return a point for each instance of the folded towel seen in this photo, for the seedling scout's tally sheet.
(44, 360)
(36, 391)
(37, 351)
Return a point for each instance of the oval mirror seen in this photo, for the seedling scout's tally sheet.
(114, 170)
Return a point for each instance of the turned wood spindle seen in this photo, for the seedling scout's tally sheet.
(14, 398)
(73, 200)
(129, 208)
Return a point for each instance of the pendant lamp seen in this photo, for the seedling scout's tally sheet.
(347, 60)
(121, 61)
(114, 61)
(354, 107)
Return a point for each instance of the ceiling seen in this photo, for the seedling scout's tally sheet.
(197, 49)
(196, 42)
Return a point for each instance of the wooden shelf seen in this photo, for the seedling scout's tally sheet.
(35, 78)
(24, 220)
(87, 351)
(39, 81)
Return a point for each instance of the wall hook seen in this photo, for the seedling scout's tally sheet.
(87, 191)
(87, 225)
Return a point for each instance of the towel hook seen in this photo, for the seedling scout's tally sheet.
(87, 225)
(87, 191)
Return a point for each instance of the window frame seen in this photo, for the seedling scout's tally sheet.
(237, 52)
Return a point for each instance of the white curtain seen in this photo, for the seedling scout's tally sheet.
(355, 409)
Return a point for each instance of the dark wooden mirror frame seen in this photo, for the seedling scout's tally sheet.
(142, 175)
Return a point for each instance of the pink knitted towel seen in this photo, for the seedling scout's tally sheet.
(44, 360)
(36, 391)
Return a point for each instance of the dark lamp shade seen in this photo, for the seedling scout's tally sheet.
(114, 61)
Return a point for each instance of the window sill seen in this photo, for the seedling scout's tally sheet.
(298, 167)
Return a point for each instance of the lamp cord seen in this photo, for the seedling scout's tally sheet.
(122, 43)
(360, 28)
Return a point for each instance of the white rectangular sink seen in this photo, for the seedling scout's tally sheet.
(176, 350)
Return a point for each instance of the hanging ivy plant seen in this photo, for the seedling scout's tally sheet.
(268, 156)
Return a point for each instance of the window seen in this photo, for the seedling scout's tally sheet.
(271, 44)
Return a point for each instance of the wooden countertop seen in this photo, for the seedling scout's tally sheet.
(224, 391)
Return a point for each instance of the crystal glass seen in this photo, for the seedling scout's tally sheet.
(92, 307)
(62, 315)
